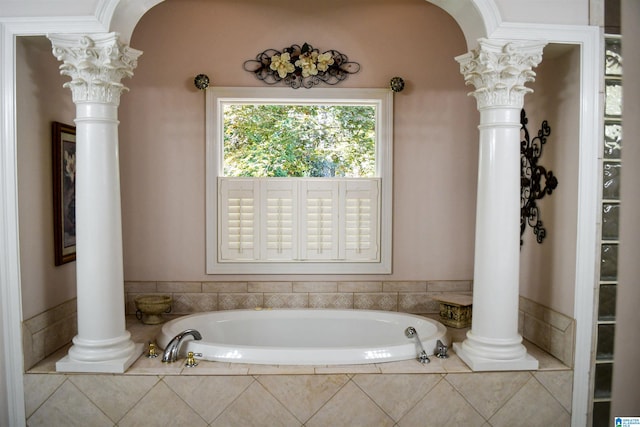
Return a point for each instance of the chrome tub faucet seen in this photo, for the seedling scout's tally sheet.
(171, 352)
(422, 357)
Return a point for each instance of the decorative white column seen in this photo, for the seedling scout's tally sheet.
(96, 64)
(499, 72)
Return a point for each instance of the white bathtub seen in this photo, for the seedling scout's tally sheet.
(305, 336)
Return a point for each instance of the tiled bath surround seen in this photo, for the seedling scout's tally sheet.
(220, 394)
(47, 332)
(551, 331)
(405, 393)
(192, 297)
(53, 329)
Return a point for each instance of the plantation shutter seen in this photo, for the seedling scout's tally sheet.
(288, 220)
(319, 203)
(238, 234)
(280, 219)
(359, 229)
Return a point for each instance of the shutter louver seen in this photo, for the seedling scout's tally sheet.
(360, 223)
(239, 240)
(288, 220)
(280, 220)
(319, 233)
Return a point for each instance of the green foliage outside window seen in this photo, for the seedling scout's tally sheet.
(299, 140)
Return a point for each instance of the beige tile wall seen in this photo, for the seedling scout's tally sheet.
(47, 332)
(404, 296)
(552, 331)
(333, 399)
(406, 393)
(53, 329)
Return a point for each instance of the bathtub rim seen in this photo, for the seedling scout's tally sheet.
(273, 355)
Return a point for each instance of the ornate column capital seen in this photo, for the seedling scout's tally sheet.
(96, 63)
(499, 71)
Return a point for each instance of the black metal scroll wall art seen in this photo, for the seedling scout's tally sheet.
(304, 66)
(535, 181)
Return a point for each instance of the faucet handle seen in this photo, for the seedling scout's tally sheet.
(152, 353)
(441, 350)
(191, 360)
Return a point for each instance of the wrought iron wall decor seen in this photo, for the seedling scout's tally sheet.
(535, 180)
(304, 66)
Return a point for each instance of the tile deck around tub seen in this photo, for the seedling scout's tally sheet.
(145, 366)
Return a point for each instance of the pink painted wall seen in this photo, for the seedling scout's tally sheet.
(41, 100)
(162, 140)
(547, 270)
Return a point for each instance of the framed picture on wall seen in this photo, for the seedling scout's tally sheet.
(64, 192)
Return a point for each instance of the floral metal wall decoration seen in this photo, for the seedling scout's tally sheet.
(304, 66)
(535, 180)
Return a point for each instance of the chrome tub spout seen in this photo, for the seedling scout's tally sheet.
(171, 352)
(422, 357)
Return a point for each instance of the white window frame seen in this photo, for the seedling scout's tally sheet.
(382, 99)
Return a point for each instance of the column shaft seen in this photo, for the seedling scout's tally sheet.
(498, 71)
(96, 64)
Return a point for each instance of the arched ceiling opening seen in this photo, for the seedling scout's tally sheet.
(476, 18)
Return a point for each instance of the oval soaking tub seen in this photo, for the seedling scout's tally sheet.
(305, 336)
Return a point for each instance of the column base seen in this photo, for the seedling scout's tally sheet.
(495, 354)
(115, 366)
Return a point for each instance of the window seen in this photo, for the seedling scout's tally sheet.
(298, 181)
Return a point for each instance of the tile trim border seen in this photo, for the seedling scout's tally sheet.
(550, 330)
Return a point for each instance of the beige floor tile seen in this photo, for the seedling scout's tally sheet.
(115, 395)
(488, 392)
(442, 406)
(454, 364)
(396, 394)
(532, 406)
(161, 406)
(412, 366)
(350, 407)
(198, 392)
(281, 369)
(303, 395)
(255, 407)
(559, 384)
(68, 407)
(348, 369)
(146, 366)
(216, 368)
(38, 388)
(48, 365)
(546, 361)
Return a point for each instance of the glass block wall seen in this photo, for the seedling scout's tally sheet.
(606, 305)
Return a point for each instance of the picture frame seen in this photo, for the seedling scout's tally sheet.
(64, 195)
